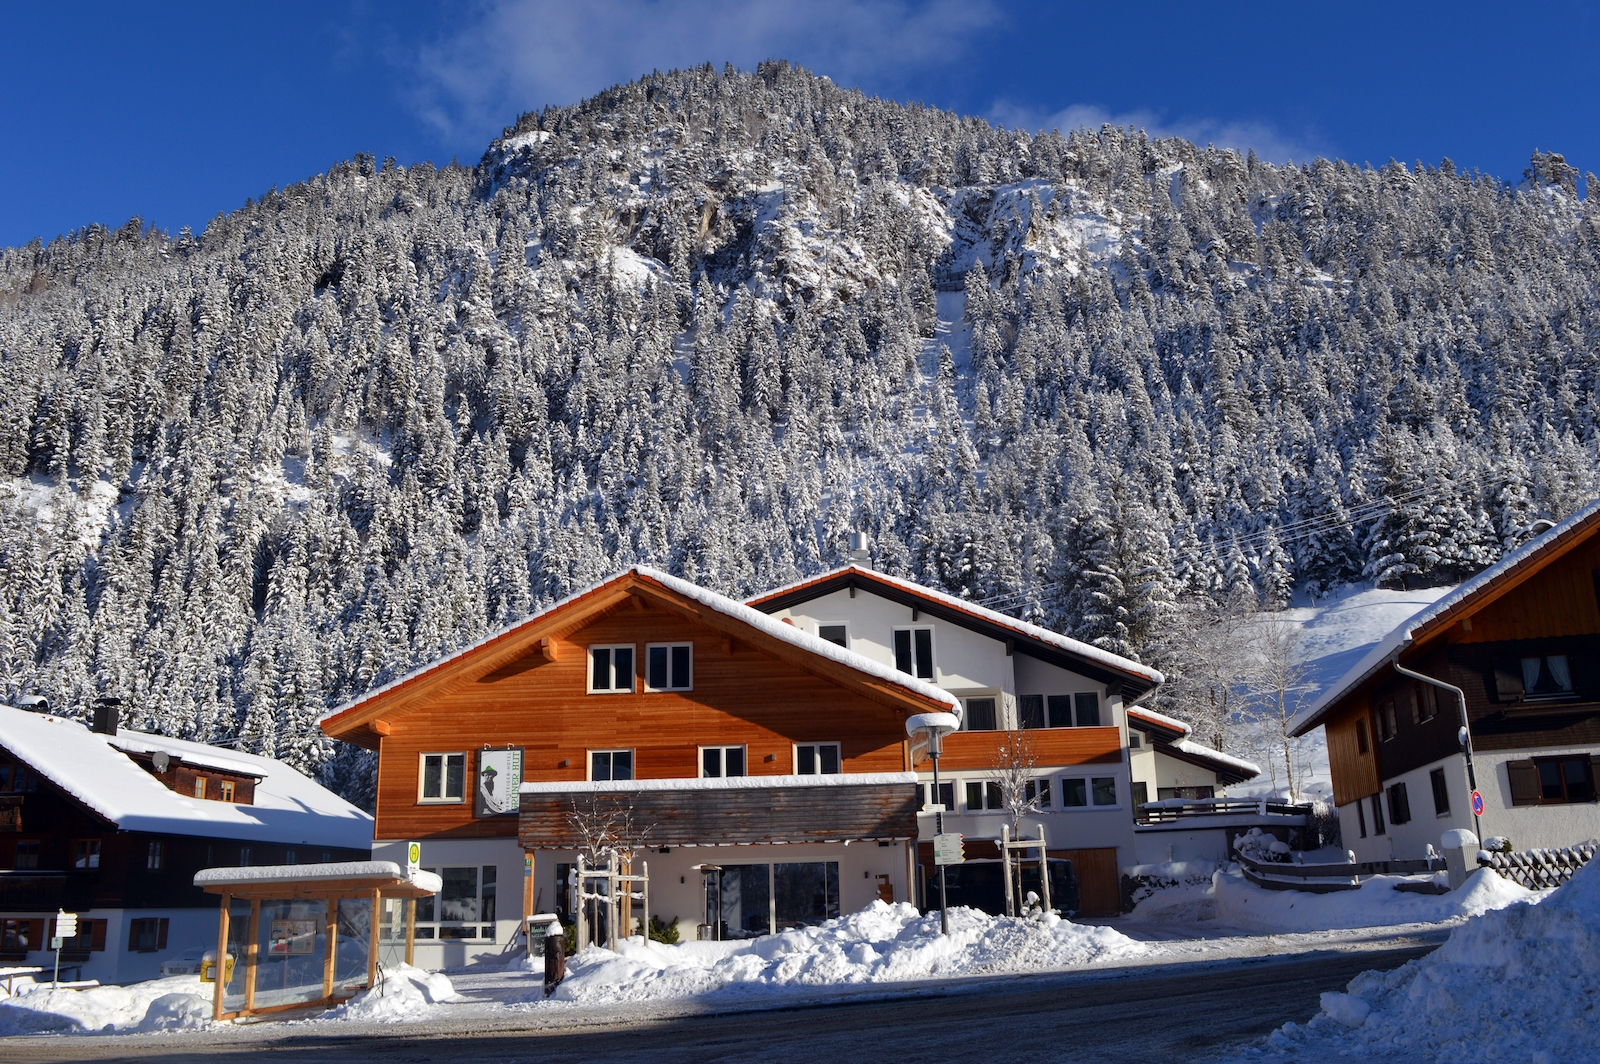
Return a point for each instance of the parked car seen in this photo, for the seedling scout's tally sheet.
(978, 883)
(185, 963)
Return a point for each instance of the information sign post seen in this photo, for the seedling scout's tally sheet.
(937, 726)
(66, 927)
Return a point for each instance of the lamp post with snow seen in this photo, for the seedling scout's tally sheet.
(936, 726)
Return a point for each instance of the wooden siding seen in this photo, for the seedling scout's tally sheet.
(1355, 775)
(1099, 891)
(742, 696)
(1052, 747)
(1558, 600)
(734, 817)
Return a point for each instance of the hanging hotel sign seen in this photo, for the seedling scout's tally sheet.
(499, 782)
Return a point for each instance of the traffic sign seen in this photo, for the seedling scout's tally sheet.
(1477, 804)
(947, 849)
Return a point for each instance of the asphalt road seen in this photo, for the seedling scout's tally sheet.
(1169, 1013)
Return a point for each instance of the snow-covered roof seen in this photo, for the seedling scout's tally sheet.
(1408, 630)
(1237, 764)
(1160, 720)
(1031, 631)
(335, 870)
(721, 783)
(722, 604)
(289, 807)
(1226, 763)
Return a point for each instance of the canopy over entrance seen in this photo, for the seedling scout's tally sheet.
(295, 936)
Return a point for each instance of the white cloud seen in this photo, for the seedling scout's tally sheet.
(520, 55)
(1269, 143)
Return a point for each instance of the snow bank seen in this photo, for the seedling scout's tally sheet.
(157, 1005)
(881, 944)
(407, 994)
(1519, 983)
(1235, 902)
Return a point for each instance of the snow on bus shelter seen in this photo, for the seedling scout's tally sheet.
(304, 935)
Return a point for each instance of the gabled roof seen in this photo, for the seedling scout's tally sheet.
(1137, 680)
(1467, 599)
(353, 721)
(95, 770)
(1171, 737)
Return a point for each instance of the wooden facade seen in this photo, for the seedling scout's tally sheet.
(529, 688)
(967, 750)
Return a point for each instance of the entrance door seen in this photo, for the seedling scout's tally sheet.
(1098, 894)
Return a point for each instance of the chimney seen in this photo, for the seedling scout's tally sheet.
(107, 714)
(858, 550)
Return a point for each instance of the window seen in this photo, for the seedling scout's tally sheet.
(199, 786)
(27, 854)
(980, 715)
(153, 856)
(1386, 721)
(816, 759)
(1104, 789)
(1424, 703)
(610, 669)
(1059, 710)
(1088, 704)
(1188, 794)
(289, 857)
(1134, 740)
(1060, 707)
(1552, 780)
(718, 761)
(947, 795)
(20, 936)
(1377, 813)
(1362, 744)
(1074, 793)
(1546, 677)
(833, 633)
(668, 667)
(1361, 818)
(444, 778)
(1399, 804)
(227, 790)
(147, 935)
(14, 779)
(86, 853)
(913, 651)
(91, 936)
(982, 795)
(1030, 711)
(466, 896)
(611, 764)
(1038, 792)
(244, 857)
(1441, 793)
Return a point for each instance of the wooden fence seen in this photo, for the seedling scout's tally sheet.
(1542, 869)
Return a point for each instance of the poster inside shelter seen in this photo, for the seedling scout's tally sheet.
(291, 938)
(499, 781)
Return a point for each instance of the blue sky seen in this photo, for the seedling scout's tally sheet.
(176, 112)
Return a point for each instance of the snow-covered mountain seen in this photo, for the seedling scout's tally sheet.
(716, 320)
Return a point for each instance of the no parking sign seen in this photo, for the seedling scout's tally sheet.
(1477, 804)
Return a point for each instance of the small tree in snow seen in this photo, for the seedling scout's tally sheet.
(1274, 676)
(1014, 771)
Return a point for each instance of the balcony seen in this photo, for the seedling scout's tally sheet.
(43, 890)
(732, 811)
(968, 750)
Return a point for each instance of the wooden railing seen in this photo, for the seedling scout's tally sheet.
(1327, 878)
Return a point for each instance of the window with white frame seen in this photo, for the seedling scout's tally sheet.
(611, 764)
(913, 651)
(1103, 790)
(669, 667)
(946, 796)
(983, 714)
(1074, 793)
(442, 778)
(1038, 792)
(610, 669)
(464, 906)
(834, 633)
(716, 761)
(816, 759)
(981, 795)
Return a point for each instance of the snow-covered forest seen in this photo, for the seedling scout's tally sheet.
(715, 321)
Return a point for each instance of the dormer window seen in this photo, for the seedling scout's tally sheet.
(199, 786)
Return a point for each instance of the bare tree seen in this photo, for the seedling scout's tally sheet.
(607, 830)
(1014, 770)
(1273, 679)
(1212, 652)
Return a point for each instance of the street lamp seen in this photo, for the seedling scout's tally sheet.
(936, 726)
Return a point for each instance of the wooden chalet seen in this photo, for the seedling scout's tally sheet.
(758, 764)
(1521, 640)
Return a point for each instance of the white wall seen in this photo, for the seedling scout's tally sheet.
(1532, 826)
(506, 856)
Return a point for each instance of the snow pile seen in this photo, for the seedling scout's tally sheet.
(405, 994)
(156, 1005)
(1517, 984)
(1232, 901)
(882, 943)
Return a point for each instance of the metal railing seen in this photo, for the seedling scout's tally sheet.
(1165, 813)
